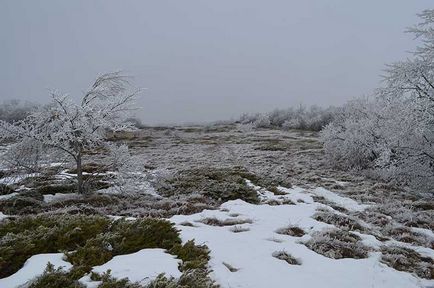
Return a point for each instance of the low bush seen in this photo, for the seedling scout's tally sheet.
(340, 221)
(337, 244)
(284, 256)
(404, 259)
(30, 235)
(193, 256)
(55, 278)
(221, 184)
(291, 231)
(93, 241)
(227, 222)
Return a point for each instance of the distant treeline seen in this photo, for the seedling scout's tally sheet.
(312, 118)
(15, 110)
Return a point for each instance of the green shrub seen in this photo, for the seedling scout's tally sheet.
(124, 237)
(221, 184)
(93, 241)
(30, 235)
(192, 256)
(197, 278)
(55, 278)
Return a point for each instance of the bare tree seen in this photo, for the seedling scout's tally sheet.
(71, 128)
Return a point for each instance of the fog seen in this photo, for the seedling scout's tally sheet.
(204, 60)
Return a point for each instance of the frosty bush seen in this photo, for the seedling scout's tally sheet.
(392, 134)
(302, 118)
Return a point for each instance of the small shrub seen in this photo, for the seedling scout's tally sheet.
(408, 260)
(227, 222)
(30, 235)
(291, 231)
(337, 244)
(275, 190)
(282, 255)
(239, 229)
(107, 281)
(189, 279)
(192, 256)
(340, 221)
(55, 278)
(406, 235)
(222, 184)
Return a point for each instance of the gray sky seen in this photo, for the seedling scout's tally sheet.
(205, 60)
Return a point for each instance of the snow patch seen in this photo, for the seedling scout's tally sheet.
(8, 196)
(347, 203)
(251, 251)
(34, 267)
(142, 266)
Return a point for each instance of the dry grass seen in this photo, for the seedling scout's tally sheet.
(404, 259)
(337, 244)
(284, 256)
(291, 231)
(230, 267)
(226, 222)
(340, 221)
(239, 229)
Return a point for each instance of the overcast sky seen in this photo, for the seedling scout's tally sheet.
(205, 60)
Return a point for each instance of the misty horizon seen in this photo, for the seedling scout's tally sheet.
(203, 61)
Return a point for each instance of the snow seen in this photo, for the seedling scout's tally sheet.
(347, 203)
(142, 266)
(8, 196)
(59, 196)
(17, 178)
(34, 267)
(3, 216)
(251, 251)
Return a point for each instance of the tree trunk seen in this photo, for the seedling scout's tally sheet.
(80, 181)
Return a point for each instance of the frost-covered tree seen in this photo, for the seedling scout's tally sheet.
(70, 128)
(393, 133)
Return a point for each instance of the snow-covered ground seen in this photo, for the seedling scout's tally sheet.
(243, 247)
(250, 252)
